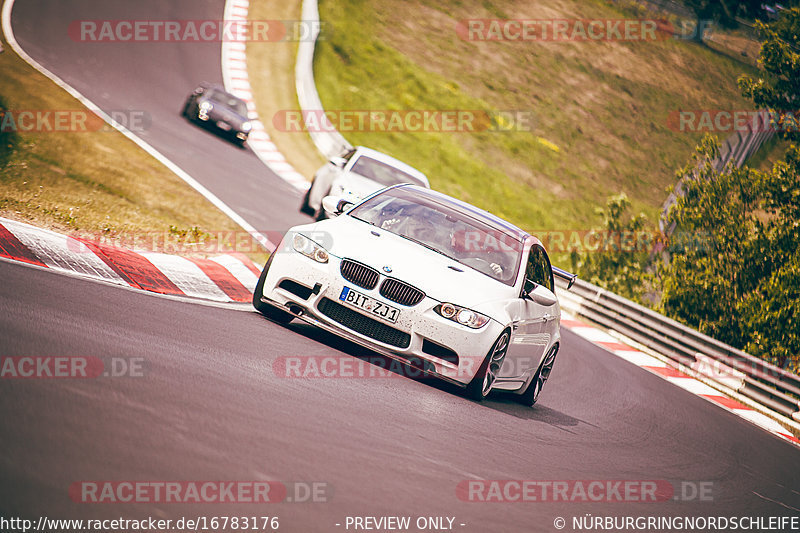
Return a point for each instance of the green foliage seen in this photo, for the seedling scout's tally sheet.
(596, 126)
(779, 89)
(702, 284)
(772, 316)
(741, 285)
(619, 263)
(733, 264)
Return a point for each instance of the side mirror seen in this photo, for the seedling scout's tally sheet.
(538, 294)
(335, 205)
(338, 161)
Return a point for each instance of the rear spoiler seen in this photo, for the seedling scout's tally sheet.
(566, 276)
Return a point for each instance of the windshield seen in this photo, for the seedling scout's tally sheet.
(444, 229)
(381, 172)
(229, 101)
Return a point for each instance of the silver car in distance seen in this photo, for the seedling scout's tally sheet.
(428, 280)
(359, 173)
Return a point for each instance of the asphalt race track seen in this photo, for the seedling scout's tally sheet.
(156, 78)
(208, 404)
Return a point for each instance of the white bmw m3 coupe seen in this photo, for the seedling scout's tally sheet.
(428, 280)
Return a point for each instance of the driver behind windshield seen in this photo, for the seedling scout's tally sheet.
(476, 248)
(483, 252)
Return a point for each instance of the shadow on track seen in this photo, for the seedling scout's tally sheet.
(503, 402)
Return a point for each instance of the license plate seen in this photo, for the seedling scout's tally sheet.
(223, 126)
(371, 305)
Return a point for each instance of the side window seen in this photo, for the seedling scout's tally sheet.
(538, 268)
(349, 154)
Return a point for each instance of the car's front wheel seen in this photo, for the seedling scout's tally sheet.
(531, 394)
(186, 108)
(269, 311)
(481, 385)
(304, 207)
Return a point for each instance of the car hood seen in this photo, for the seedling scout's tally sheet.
(427, 270)
(355, 186)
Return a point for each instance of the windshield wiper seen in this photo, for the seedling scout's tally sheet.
(365, 221)
(428, 246)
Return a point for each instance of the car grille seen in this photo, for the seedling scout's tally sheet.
(400, 292)
(364, 324)
(361, 275)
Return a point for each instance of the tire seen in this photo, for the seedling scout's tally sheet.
(304, 207)
(481, 385)
(531, 394)
(185, 111)
(321, 215)
(269, 311)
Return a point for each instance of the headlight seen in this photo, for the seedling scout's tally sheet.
(246, 126)
(309, 248)
(462, 315)
(206, 107)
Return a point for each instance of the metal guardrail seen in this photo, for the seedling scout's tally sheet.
(750, 376)
(736, 149)
(329, 143)
(762, 382)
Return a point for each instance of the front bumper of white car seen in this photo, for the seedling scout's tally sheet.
(310, 290)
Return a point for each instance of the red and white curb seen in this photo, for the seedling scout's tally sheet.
(223, 278)
(676, 377)
(237, 82)
(233, 277)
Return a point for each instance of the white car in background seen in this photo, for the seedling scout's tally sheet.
(356, 175)
(427, 280)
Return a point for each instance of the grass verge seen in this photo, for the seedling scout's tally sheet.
(601, 108)
(95, 184)
(271, 73)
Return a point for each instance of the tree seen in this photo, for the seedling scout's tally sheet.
(619, 262)
(744, 286)
(722, 11)
(713, 262)
(771, 313)
(733, 270)
(779, 90)
(772, 317)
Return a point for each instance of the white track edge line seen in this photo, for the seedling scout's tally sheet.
(272, 158)
(196, 185)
